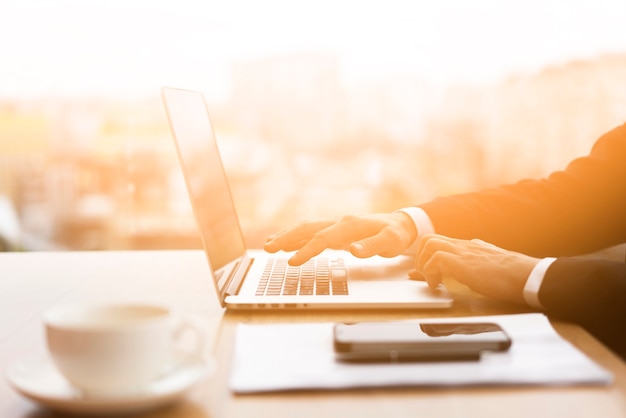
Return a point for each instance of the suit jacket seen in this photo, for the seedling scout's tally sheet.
(571, 212)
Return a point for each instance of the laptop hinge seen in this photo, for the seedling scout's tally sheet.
(237, 275)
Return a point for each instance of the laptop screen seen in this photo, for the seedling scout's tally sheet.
(205, 176)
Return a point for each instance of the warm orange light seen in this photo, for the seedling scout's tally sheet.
(341, 107)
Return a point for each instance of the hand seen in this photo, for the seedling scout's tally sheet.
(387, 235)
(483, 267)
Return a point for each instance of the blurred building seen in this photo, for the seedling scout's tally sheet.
(102, 174)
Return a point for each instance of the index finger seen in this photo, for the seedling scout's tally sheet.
(311, 248)
(338, 236)
(296, 236)
(428, 245)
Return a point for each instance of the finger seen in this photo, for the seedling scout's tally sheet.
(485, 244)
(311, 248)
(432, 275)
(305, 253)
(385, 243)
(430, 245)
(425, 246)
(294, 237)
(340, 235)
(425, 239)
(416, 275)
(286, 246)
(442, 264)
(298, 231)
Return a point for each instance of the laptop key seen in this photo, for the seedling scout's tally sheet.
(315, 277)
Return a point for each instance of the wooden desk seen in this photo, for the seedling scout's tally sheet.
(32, 282)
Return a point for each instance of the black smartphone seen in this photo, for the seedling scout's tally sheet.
(417, 341)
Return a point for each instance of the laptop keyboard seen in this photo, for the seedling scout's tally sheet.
(318, 276)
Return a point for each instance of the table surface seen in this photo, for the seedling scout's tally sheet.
(32, 282)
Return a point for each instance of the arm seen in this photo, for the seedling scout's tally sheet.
(575, 211)
(591, 293)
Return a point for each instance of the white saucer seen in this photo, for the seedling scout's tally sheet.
(39, 380)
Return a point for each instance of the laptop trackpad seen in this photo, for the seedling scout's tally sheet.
(382, 269)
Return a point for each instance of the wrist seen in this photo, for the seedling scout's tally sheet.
(533, 283)
(407, 225)
(421, 225)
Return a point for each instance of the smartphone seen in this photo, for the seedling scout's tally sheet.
(417, 341)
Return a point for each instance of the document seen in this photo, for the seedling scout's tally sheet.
(282, 357)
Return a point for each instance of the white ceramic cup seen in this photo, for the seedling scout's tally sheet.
(113, 349)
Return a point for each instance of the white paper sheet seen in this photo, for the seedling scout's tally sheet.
(277, 357)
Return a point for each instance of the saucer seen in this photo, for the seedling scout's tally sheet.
(39, 380)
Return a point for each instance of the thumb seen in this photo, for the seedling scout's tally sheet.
(367, 247)
(414, 274)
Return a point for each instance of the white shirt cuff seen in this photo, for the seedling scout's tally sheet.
(423, 225)
(533, 283)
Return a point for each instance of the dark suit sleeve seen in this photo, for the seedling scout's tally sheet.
(575, 211)
(591, 293)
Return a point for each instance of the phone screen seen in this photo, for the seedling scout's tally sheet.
(413, 341)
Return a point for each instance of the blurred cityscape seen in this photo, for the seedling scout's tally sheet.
(297, 144)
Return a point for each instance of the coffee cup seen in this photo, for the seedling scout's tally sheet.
(113, 349)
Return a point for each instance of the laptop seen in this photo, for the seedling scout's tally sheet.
(254, 279)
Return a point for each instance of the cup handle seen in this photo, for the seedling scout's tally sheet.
(186, 326)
